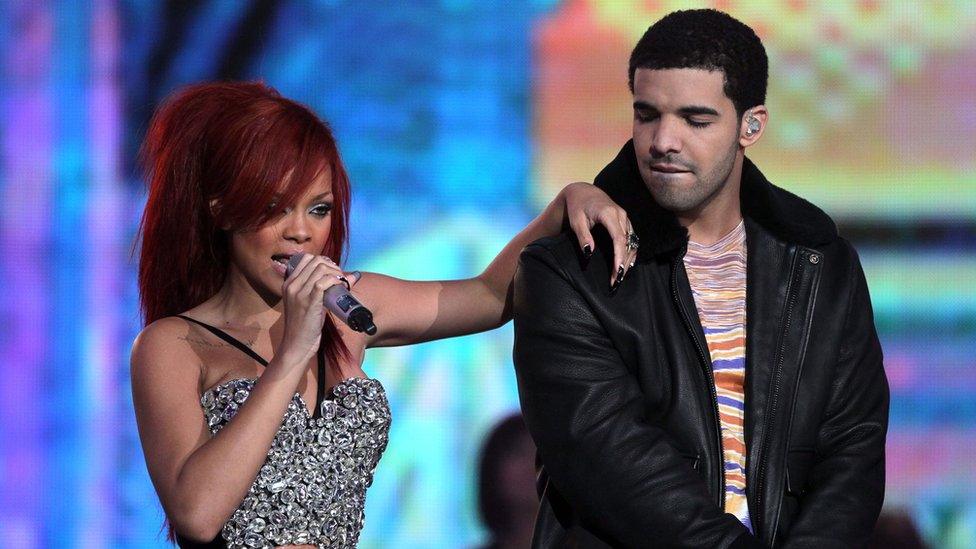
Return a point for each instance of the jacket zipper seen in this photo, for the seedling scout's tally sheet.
(707, 367)
(774, 399)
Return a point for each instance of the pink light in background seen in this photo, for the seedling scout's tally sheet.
(27, 137)
(102, 344)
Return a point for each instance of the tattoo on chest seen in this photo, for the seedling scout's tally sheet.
(213, 344)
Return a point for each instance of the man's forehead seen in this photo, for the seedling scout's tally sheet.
(680, 87)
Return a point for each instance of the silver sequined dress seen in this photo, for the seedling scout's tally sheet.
(312, 486)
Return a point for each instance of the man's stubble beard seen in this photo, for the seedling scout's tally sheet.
(679, 200)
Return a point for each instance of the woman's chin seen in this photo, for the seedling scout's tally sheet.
(268, 287)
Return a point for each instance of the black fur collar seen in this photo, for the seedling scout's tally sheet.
(785, 215)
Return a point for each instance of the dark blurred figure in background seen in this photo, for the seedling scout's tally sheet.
(896, 530)
(507, 499)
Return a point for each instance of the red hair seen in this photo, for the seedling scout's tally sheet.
(215, 155)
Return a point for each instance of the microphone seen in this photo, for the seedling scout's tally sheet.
(341, 303)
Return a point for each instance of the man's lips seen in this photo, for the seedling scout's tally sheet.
(668, 168)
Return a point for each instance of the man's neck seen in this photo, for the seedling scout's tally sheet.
(707, 231)
(721, 213)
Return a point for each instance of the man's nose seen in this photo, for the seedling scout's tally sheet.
(666, 138)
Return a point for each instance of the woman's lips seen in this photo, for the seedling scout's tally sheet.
(279, 267)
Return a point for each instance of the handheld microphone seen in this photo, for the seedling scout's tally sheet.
(341, 303)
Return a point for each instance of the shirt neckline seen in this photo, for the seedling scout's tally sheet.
(706, 249)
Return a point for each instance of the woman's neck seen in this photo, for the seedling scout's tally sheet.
(238, 303)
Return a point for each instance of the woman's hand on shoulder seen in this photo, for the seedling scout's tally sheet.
(588, 206)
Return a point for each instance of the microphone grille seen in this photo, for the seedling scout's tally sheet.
(293, 262)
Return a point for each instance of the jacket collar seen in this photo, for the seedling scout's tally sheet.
(782, 213)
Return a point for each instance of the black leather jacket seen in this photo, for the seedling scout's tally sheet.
(618, 394)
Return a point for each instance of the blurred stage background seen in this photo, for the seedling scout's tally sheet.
(457, 120)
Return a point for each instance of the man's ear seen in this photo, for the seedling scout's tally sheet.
(753, 125)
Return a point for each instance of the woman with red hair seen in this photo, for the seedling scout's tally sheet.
(258, 425)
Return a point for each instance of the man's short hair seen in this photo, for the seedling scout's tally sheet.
(711, 40)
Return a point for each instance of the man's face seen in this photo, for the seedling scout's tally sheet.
(686, 133)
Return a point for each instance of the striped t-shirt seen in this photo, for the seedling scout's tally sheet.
(717, 274)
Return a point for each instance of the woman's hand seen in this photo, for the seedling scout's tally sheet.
(303, 292)
(586, 206)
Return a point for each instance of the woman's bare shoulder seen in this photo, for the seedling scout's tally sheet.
(164, 334)
(163, 349)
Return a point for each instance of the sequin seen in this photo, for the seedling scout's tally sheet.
(312, 486)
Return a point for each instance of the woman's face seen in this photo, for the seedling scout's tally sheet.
(261, 255)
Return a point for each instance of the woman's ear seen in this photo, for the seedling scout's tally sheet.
(214, 207)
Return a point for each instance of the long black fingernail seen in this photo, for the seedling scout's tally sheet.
(619, 279)
(587, 251)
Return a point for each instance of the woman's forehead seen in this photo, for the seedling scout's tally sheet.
(320, 184)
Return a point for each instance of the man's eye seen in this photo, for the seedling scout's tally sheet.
(698, 123)
(642, 116)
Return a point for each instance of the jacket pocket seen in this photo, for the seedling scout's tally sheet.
(693, 459)
(798, 464)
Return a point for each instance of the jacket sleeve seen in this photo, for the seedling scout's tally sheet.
(845, 486)
(621, 475)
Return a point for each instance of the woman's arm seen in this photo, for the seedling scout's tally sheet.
(409, 312)
(200, 480)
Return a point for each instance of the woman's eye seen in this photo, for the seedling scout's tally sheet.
(274, 206)
(322, 210)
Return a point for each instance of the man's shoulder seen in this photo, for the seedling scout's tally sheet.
(559, 249)
(546, 277)
(846, 262)
(839, 253)
(786, 215)
(561, 256)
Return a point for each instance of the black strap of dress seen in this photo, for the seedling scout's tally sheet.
(229, 339)
(320, 356)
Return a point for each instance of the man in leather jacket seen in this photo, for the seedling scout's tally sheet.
(731, 392)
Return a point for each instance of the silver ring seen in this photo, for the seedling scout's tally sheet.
(344, 281)
(633, 242)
